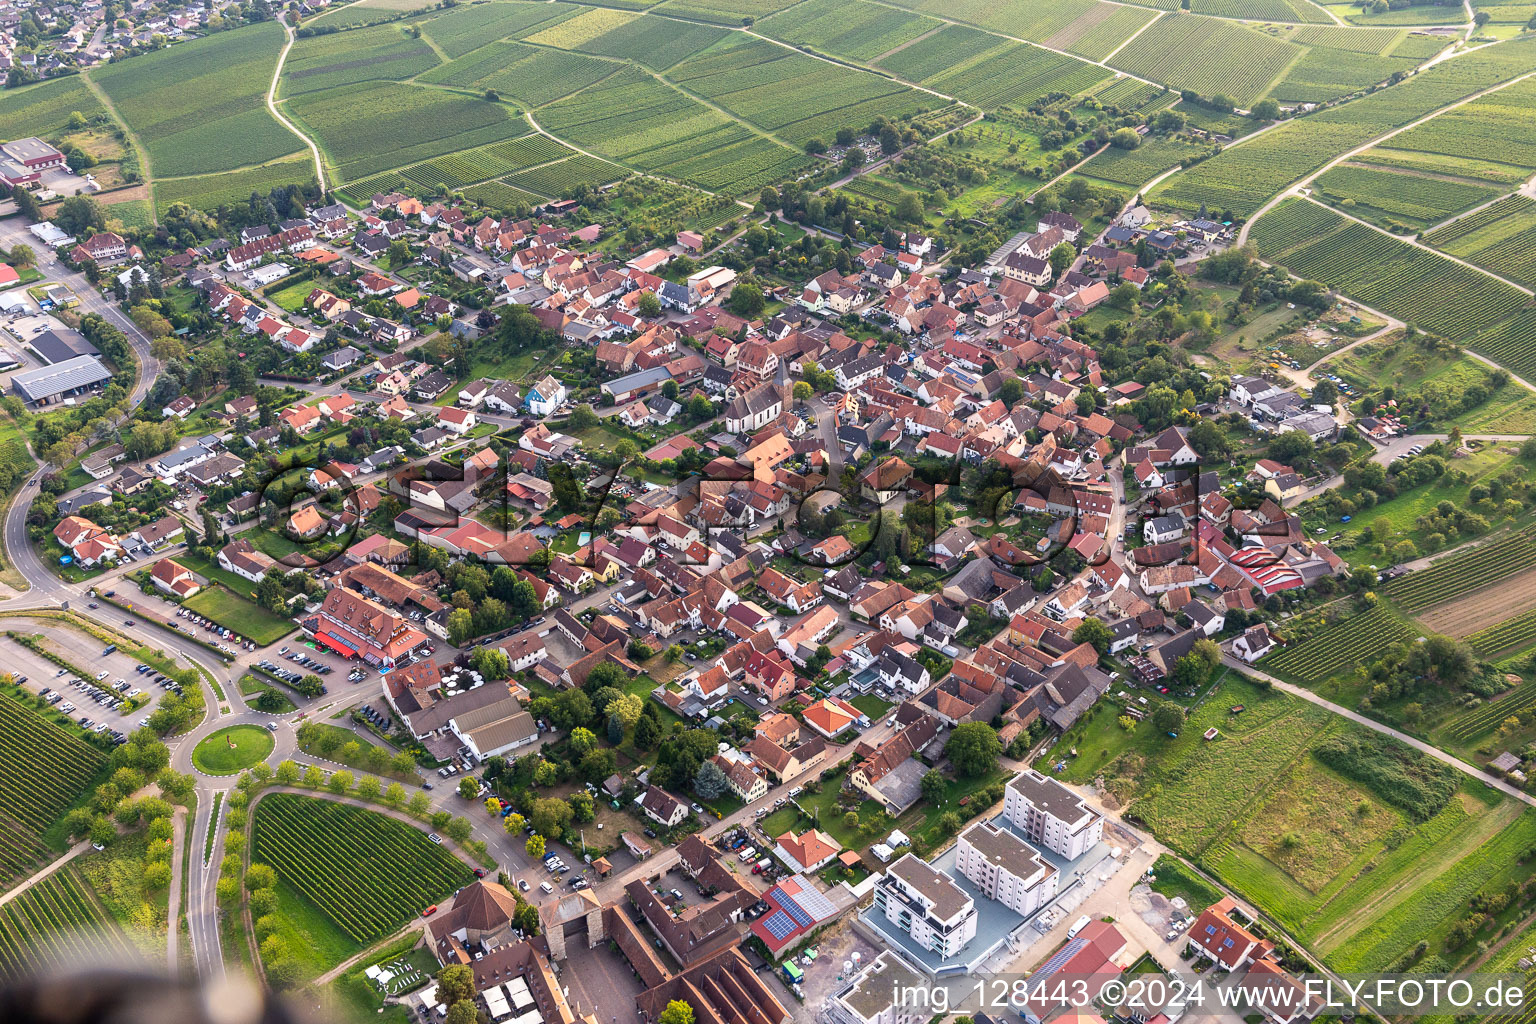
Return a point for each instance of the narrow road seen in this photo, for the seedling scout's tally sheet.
(173, 908)
(1492, 781)
(277, 73)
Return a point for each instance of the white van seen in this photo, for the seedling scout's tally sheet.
(1077, 926)
(546, 887)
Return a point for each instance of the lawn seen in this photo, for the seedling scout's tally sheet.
(246, 618)
(293, 297)
(232, 750)
(872, 706)
(252, 687)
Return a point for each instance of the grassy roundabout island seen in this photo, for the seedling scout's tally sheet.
(232, 750)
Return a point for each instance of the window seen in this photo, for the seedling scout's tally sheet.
(1227, 944)
(1210, 929)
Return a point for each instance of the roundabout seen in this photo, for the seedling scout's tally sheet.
(231, 750)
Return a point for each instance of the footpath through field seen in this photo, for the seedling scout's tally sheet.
(65, 858)
(1493, 781)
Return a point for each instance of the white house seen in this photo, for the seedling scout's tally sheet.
(545, 397)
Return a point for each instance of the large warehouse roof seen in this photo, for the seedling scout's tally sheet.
(79, 372)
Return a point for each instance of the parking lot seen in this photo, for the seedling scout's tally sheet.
(96, 698)
(167, 612)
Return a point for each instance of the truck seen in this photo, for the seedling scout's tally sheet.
(1077, 926)
(761, 865)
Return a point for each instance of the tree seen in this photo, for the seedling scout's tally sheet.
(455, 983)
(909, 208)
(1011, 392)
(648, 305)
(79, 215)
(1094, 632)
(513, 823)
(461, 626)
(260, 876)
(534, 847)
(933, 785)
(468, 790)
(1291, 446)
(583, 808)
(973, 748)
(803, 391)
(1061, 257)
(746, 299)
(1266, 110)
(550, 816)
(22, 255)
(459, 829)
(647, 732)
(677, 1012)
(1125, 138)
(709, 781)
(1168, 717)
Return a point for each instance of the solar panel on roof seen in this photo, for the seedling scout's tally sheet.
(1064, 954)
(795, 911)
(780, 925)
(815, 903)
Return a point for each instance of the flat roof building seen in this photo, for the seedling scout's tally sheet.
(1051, 815)
(926, 904)
(1005, 868)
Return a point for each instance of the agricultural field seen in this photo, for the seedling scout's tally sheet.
(1501, 237)
(1356, 845)
(380, 53)
(1263, 10)
(58, 924)
(43, 109)
(1511, 343)
(1351, 642)
(881, 190)
(1099, 32)
(43, 770)
(792, 95)
(1500, 126)
(1243, 177)
(1038, 21)
(558, 178)
(723, 12)
(1208, 56)
(1376, 41)
(1417, 285)
(1393, 199)
(530, 74)
(1324, 74)
(1419, 46)
(366, 872)
(1136, 167)
(460, 169)
(654, 43)
(366, 128)
(368, 12)
(1464, 168)
(861, 31)
(571, 33)
(498, 195)
(1462, 574)
(357, 192)
(1461, 616)
(200, 107)
(1501, 638)
(207, 191)
(464, 29)
(1016, 73)
(628, 114)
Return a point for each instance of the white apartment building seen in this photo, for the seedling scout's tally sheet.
(1005, 868)
(1051, 815)
(927, 905)
(873, 996)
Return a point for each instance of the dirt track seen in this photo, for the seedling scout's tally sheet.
(1483, 608)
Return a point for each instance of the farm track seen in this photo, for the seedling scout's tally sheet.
(277, 74)
(146, 165)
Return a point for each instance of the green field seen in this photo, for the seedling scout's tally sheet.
(1136, 167)
(232, 750)
(58, 921)
(369, 127)
(380, 53)
(208, 191)
(365, 872)
(1461, 574)
(860, 31)
(530, 74)
(44, 108)
(1511, 343)
(199, 107)
(1243, 177)
(1353, 641)
(1501, 237)
(1209, 56)
(1415, 284)
(1393, 198)
(990, 72)
(43, 771)
(1337, 862)
(234, 612)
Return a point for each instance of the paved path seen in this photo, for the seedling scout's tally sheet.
(173, 909)
(68, 855)
(1492, 781)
